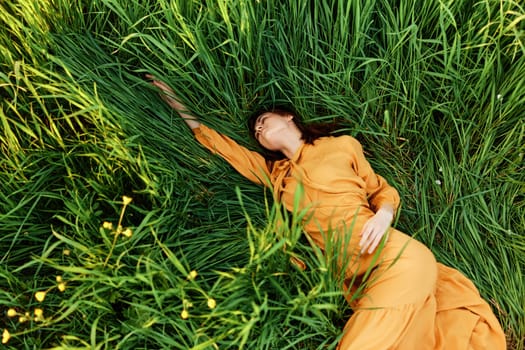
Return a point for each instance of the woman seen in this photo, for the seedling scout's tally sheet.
(410, 301)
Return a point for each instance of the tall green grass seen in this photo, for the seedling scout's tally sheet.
(434, 90)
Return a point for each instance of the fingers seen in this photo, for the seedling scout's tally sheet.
(375, 242)
(167, 92)
(373, 231)
(158, 83)
(161, 85)
(371, 237)
(368, 239)
(365, 233)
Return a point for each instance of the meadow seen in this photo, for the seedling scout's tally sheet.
(119, 231)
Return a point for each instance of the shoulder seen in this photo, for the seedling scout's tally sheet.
(343, 141)
(341, 147)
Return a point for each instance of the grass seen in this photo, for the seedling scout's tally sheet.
(434, 90)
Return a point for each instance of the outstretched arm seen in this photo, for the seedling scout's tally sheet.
(250, 164)
(169, 96)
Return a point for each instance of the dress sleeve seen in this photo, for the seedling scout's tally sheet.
(250, 164)
(378, 190)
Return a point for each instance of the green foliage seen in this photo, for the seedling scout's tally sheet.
(435, 90)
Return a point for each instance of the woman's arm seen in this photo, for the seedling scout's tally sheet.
(379, 192)
(383, 198)
(168, 95)
(250, 164)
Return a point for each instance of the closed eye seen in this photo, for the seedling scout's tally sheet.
(262, 119)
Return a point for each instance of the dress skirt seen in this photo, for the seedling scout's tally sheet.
(413, 302)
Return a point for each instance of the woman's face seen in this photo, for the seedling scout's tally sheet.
(270, 129)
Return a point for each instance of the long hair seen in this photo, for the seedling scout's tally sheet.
(309, 132)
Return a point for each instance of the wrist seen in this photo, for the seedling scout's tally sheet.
(387, 211)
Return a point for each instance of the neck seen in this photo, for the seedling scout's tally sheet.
(290, 151)
(292, 143)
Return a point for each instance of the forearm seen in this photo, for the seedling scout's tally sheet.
(248, 163)
(190, 120)
(379, 191)
(168, 95)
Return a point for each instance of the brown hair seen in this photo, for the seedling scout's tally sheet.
(309, 132)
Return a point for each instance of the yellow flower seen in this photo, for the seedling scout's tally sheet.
(192, 275)
(126, 200)
(66, 252)
(127, 232)
(59, 278)
(23, 319)
(184, 314)
(5, 336)
(40, 296)
(11, 313)
(61, 286)
(39, 314)
(107, 225)
(212, 303)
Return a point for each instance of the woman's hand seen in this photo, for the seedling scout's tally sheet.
(375, 228)
(168, 95)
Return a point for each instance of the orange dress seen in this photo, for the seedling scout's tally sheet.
(412, 302)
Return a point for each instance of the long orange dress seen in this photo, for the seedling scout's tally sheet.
(413, 302)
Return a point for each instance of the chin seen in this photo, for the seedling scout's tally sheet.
(271, 147)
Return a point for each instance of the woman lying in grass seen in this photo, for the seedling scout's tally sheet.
(410, 300)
